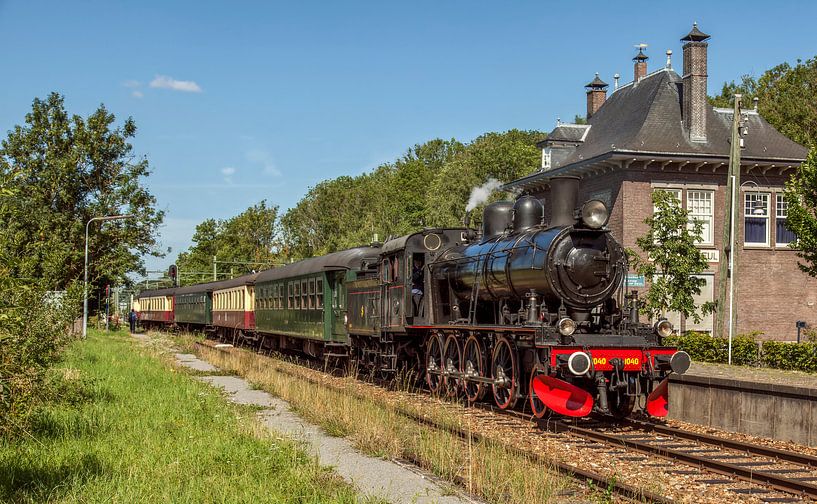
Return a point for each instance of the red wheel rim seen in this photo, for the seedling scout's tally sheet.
(434, 363)
(472, 365)
(503, 367)
(452, 363)
(537, 407)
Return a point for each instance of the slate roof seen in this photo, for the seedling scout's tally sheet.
(645, 118)
(566, 133)
(345, 259)
(169, 291)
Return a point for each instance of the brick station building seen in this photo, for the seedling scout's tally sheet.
(660, 132)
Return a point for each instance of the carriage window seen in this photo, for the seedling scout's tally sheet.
(386, 271)
(289, 296)
(311, 293)
(319, 293)
(304, 295)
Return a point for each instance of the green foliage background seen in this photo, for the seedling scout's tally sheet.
(59, 170)
(252, 236)
(427, 186)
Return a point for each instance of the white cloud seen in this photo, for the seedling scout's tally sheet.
(263, 158)
(165, 82)
(137, 94)
(228, 172)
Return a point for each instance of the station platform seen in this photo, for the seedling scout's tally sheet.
(764, 402)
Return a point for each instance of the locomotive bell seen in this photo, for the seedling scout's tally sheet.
(496, 218)
(527, 213)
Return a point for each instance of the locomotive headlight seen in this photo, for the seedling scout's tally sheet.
(566, 326)
(679, 362)
(594, 214)
(663, 328)
(578, 363)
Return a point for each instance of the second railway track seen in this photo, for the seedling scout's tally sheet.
(781, 471)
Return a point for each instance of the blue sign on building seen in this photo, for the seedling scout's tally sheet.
(635, 280)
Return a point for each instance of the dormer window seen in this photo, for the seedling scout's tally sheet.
(546, 159)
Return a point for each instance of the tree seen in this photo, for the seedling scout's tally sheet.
(747, 88)
(672, 260)
(58, 171)
(502, 156)
(801, 198)
(785, 96)
(348, 211)
(250, 237)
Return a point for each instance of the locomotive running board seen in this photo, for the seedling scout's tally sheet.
(657, 401)
(562, 397)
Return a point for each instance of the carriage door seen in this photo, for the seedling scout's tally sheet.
(337, 284)
(391, 310)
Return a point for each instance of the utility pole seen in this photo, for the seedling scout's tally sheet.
(728, 263)
(215, 275)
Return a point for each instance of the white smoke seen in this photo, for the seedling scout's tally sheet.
(480, 194)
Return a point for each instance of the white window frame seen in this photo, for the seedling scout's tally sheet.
(781, 211)
(755, 195)
(707, 239)
(546, 158)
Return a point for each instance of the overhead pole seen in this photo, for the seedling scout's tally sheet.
(728, 263)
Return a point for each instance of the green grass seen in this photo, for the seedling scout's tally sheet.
(125, 427)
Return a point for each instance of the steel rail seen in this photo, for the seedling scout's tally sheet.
(600, 480)
(764, 451)
(786, 485)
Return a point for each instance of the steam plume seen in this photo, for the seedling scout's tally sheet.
(481, 193)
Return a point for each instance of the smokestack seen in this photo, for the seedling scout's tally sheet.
(596, 94)
(564, 193)
(694, 83)
(640, 64)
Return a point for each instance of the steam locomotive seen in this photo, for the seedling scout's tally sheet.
(529, 309)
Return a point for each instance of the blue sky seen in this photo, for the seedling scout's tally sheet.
(242, 101)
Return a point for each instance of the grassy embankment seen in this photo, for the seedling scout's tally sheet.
(128, 428)
(376, 427)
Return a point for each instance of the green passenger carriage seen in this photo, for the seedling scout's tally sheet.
(304, 303)
(194, 305)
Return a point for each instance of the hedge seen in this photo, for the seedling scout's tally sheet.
(747, 351)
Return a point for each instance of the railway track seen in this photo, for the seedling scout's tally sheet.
(792, 475)
(774, 475)
(600, 480)
(769, 474)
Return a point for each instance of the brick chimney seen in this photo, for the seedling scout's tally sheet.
(596, 94)
(694, 84)
(640, 64)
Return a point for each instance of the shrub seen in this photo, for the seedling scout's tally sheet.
(747, 351)
(33, 332)
(791, 356)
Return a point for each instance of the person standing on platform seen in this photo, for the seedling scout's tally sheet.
(132, 320)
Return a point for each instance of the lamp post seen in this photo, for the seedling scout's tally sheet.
(85, 289)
